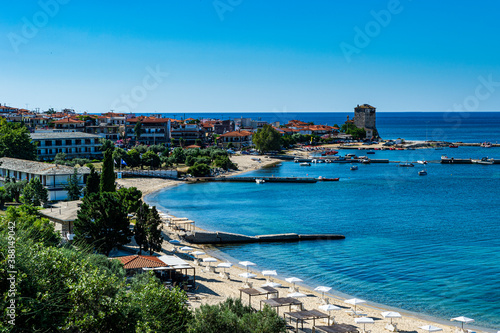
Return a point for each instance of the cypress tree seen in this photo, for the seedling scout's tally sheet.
(93, 181)
(108, 174)
(154, 236)
(140, 227)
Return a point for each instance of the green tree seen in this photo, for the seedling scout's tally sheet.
(198, 142)
(182, 142)
(351, 129)
(14, 188)
(133, 158)
(153, 233)
(34, 193)
(172, 142)
(130, 198)
(4, 197)
(140, 227)
(232, 316)
(199, 170)
(150, 159)
(138, 130)
(230, 145)
(106, 144)
(267, 139)
(178, 155)
(93, 181)
(119, 154)
(73, 187)
(225, 163)
(156, 308)
(102, 222)
(107, 183)
(15, 141)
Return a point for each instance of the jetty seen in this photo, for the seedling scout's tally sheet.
(265, 179)
(218, 237)
(451, 160)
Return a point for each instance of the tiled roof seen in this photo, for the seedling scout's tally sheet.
(139, 261)
(236, 134)
(63, 135)
(69, 121)
(38, 168)
(148, 120)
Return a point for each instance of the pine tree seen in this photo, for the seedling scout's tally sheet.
(107, 183)
(154, 226)
(93, 181)
(102, 222)
(140, 228)
(73, 187)
(34, 193)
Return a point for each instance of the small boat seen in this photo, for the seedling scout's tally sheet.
(366, 161)
(370, 152)
(453, 146)
(422, 173)
(354, 167)
(260, 181)
(322, 179)
(255, 159)
(486, 145)
(305, 164)
(406, 165)
(422, 162)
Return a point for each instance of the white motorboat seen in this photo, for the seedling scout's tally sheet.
(260, 181)
(305, 164)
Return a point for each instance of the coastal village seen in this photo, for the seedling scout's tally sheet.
(136, 155)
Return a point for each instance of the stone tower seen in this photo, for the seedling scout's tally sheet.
(364, 117)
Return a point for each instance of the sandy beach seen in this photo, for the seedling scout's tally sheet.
(213, 288)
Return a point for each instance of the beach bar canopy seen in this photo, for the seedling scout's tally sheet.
(177, 264)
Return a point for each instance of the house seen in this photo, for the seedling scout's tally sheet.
(73, 144)
(154, 130)
(189, 132)
(69, 124)
(239, 139)
(52, 176)
(63, 215)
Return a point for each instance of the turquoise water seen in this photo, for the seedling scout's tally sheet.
(429, 244)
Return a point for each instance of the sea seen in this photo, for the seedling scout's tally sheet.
(422, 244)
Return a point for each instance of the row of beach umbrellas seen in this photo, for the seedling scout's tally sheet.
(323, 289)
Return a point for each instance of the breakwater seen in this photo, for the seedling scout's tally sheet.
(218, 237)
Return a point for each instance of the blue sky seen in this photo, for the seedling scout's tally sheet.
(250, 55)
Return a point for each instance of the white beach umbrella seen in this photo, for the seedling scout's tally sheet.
(364, 321)
(354, 301)
(209, 260)
(323, 290)
(186, 248)
(431, 328)
(269, 273)
(272, 285)
(247, 275)
(225, 265)
(391, 314)
(247, 264)
(197, 253)
(296, 295)
(463, 320)
(174, 241)
(329, 308)
(293, 280)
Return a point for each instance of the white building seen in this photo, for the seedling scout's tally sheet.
(73, 144)
(54, 177)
